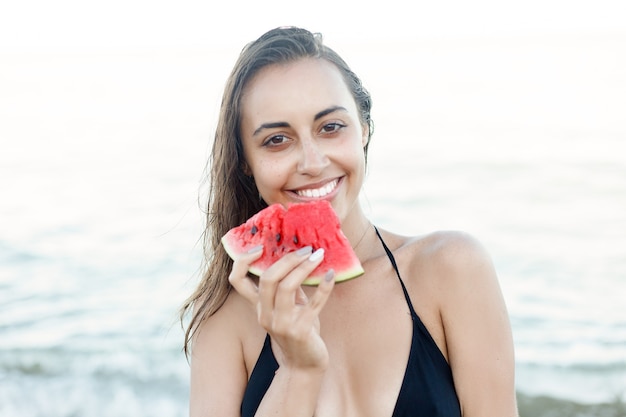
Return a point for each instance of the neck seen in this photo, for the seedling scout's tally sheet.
(358, 229)
(354, 224)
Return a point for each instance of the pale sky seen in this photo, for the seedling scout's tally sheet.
(138, 23)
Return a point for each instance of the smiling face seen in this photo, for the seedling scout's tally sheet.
(302, 136)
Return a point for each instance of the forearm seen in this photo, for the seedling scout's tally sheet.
(293, 393)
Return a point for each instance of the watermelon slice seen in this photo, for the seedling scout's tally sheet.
(281, 231)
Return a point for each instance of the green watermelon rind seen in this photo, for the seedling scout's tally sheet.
(344, 276)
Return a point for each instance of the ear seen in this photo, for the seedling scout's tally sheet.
(365, 137)
(245, 168)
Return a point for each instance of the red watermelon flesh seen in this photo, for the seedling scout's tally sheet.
(281, 231)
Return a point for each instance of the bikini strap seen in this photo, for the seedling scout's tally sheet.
(395, 266)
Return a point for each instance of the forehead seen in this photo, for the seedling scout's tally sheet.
(304, 86)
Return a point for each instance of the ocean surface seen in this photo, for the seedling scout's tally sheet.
(520, 141)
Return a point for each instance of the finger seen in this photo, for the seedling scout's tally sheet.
(318, 299)
(308, 314)
(301, 297)
(238, 277)
(268, 282)
(289, 288)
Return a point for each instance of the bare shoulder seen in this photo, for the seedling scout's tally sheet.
(233, 324)
(461, 268)
(452, 267)
(454, 251)
(228, 318)
(219, 370)
(447, 255)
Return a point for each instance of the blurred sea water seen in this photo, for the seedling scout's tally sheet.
(520, 141)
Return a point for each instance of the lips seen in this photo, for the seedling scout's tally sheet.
(320, 192)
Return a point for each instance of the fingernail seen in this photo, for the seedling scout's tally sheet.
(317, 255)
(304, 251)
(255, 249)
(329, 275)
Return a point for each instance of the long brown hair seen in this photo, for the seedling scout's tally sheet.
(233, 196)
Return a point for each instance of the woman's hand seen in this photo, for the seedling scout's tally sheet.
(284, 310)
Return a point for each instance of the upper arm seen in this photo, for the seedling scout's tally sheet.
(218, 371)
(477, 330)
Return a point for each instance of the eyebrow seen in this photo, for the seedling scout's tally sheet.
(319, 115)
(270, 126)
(329, 111)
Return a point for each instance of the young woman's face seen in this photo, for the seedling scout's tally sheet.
(302, 136)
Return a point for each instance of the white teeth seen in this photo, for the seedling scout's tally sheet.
(318, 192)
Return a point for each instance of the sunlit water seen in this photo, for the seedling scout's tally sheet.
(520, 143)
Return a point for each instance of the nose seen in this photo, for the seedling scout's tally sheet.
(313, 159)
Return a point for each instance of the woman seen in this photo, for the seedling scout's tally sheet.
(424, 332)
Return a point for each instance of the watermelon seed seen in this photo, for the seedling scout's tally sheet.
(254, 230)
(295, 240)
(278, 237)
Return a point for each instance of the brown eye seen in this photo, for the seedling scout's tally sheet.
(332, 127)
(276, 140)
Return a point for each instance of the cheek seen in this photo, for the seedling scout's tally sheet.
(268, 175)
(358, 154)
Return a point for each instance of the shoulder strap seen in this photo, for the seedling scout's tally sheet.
(260, 379)
(395, 266)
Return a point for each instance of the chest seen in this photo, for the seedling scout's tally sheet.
(368, 335)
